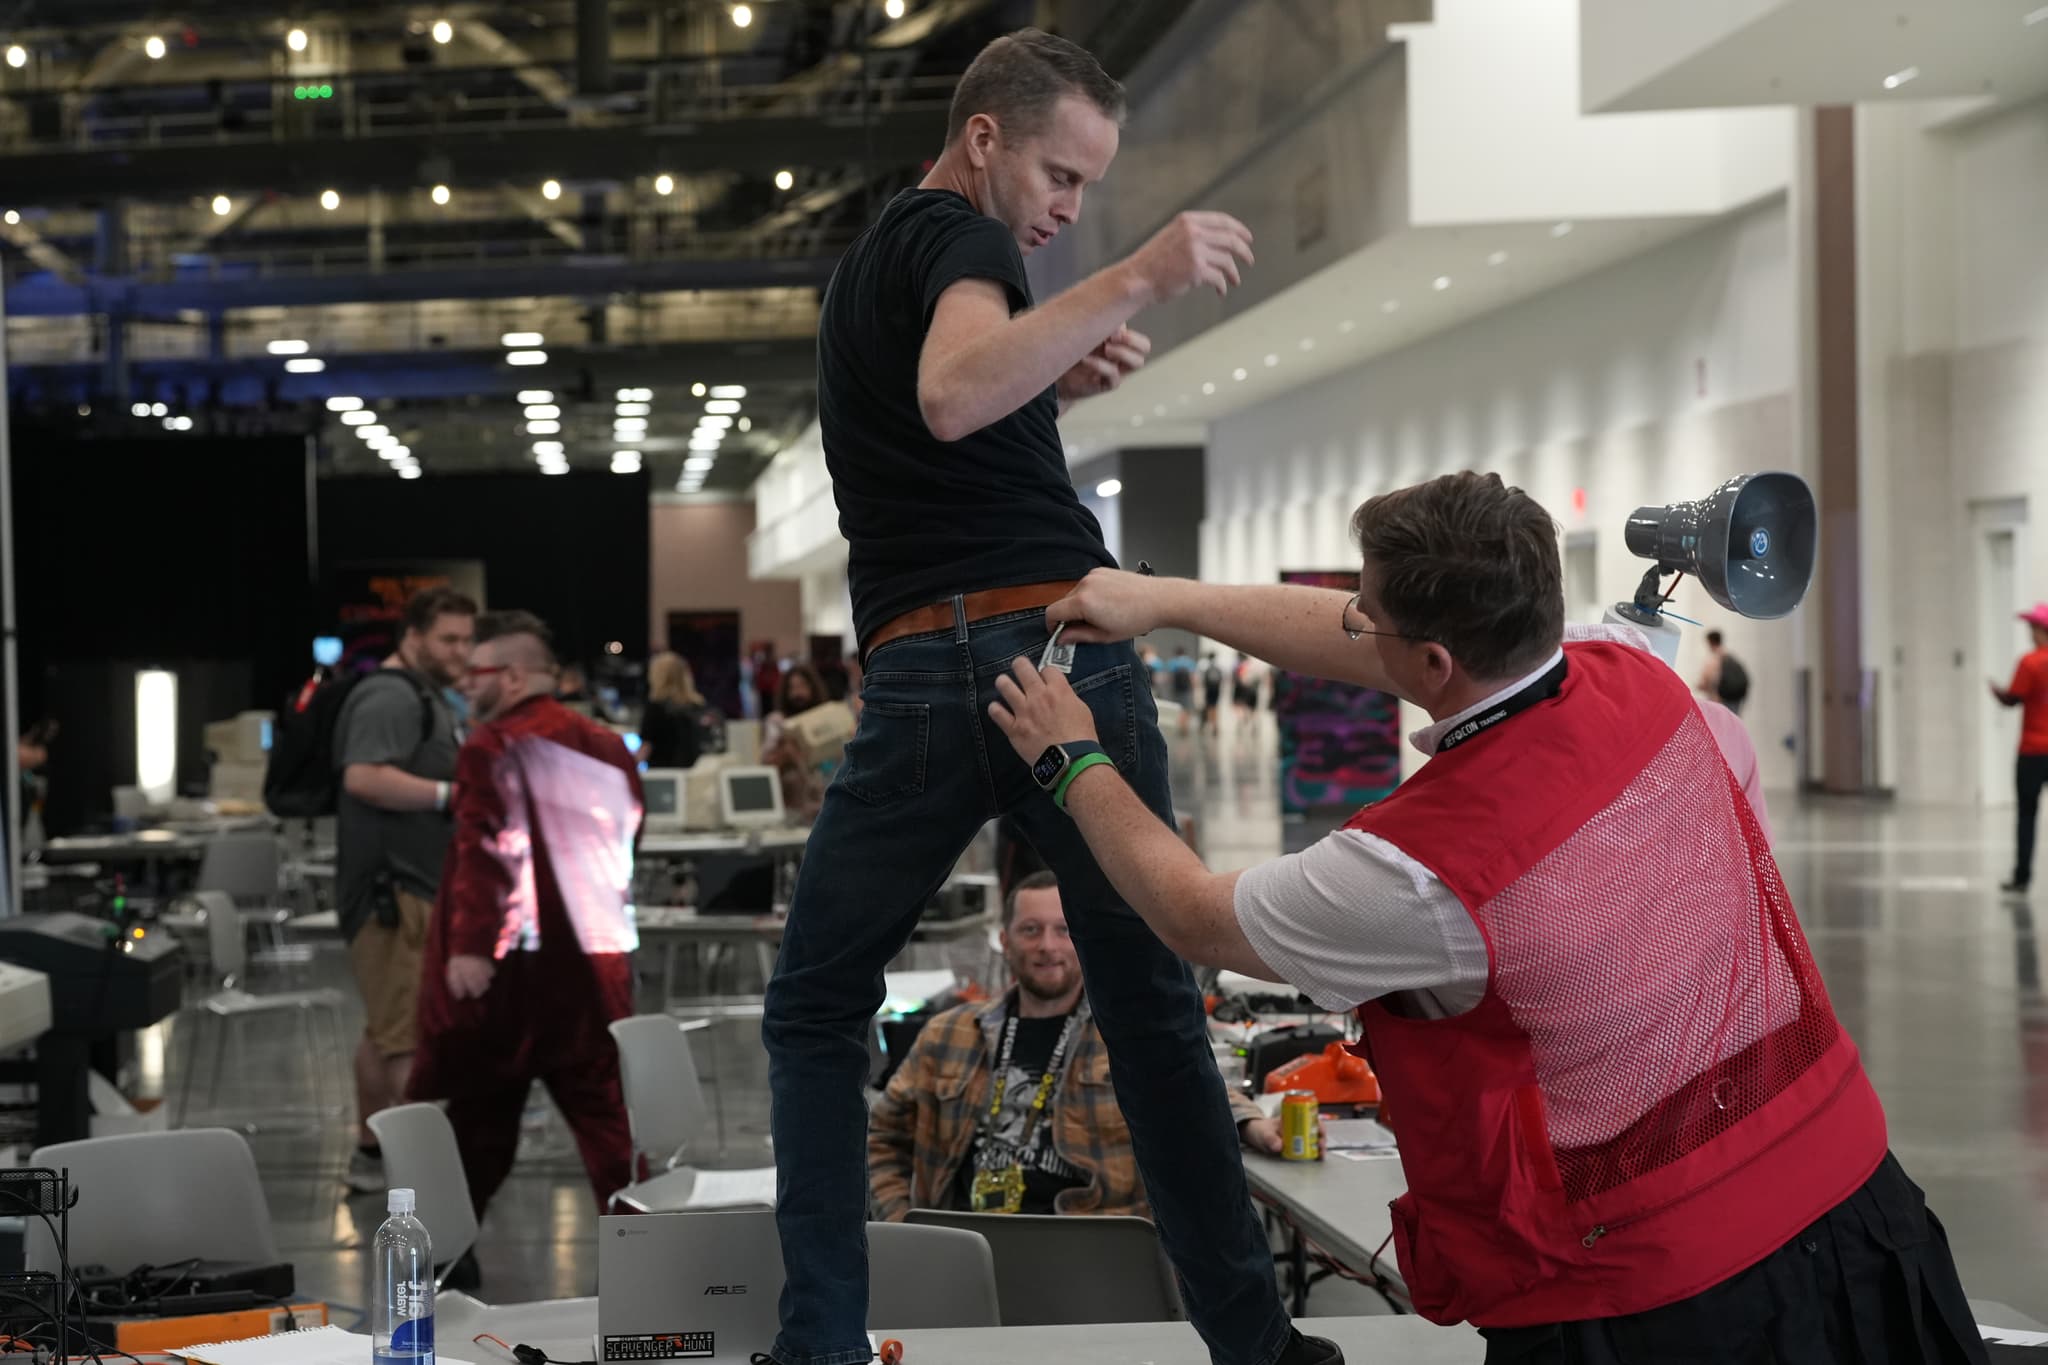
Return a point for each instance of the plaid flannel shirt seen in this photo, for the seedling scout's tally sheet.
(922, 1128)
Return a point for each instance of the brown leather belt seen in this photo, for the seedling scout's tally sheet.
(980, 606)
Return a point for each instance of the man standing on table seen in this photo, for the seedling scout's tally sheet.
(939, 386)
(1631, 1125)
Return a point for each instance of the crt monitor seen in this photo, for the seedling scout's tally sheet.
(753, 797)
(665, 800)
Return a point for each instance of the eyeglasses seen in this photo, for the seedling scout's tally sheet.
(1351, 607)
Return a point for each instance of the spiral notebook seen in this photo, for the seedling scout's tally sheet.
(312, 1346)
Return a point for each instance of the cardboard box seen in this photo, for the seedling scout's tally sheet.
(822, 731)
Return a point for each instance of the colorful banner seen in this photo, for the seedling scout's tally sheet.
(1340, 744)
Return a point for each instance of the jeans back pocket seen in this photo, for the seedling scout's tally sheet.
(885, 760)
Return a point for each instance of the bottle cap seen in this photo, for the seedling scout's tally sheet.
(399, 1201)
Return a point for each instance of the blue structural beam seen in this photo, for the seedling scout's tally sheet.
(45, 295)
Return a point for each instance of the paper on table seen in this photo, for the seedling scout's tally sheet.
(314, 1346)
(715, 1188)
(1356, 1135)
(2012, 1336)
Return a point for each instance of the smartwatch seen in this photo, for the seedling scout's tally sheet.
(1059, 765)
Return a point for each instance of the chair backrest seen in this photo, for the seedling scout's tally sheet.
(156, 1199)
(924, 1278)
(227, 945)
(664, 1100)
(420, 1155)
(246, 866)
(1052, 1270)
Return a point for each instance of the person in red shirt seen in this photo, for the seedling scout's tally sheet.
(528, 955)
(2029, 691)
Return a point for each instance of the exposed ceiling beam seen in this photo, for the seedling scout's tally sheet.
(30, 243)
(42, 297)
(540, 79)
(536, 208)
(844, 67)
(110, 63)
(214, 224)
(748, 145)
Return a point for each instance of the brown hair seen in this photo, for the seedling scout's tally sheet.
(671, 679)
(809, 673)
(1470, 563)
(429, 605)
(1018, 79)
(1036, 881)
(500, 625)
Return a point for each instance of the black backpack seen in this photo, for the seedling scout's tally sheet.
(1734, 680)
(301, 781)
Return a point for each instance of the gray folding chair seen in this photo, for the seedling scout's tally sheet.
(230, 1006)
(1054, 1271)
(926, 1278)
(665, 1109)
(157, 1199)
(420, 1155)
(249, 867)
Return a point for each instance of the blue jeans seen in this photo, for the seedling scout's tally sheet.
(926, 770)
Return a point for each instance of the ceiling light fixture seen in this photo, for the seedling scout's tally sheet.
(893, 8)
(697, 464)
(305, 365)
(722, 405)
(1440, 283)
(1238, 374)
(1271, 360)
(1109, 488)
(551, 189)
(382, 442)
(542, 412)
(1901, 77)
(288, 346)
(296, 40)
(515, 339)
(443, 31)
(543, 428)
(536, 396)
(1497, 258)
(696, 390)
(785, 180)
(330, 200)
(10, 218)
(746, 424)
(633, 409)
(374, 431)
(547, 449)
(157, 410)
(411, 471)
(440, 194)
(222, 206)
(1208, 388)
(1561, 230)
(2039, 16)
(664, 185)
(153, 47)
(1347, 326)
(17, 56)
(742, 15)
(729, 391)
(705, 445)
(396, 454)
(344, 404)
(1308, 343)
(358, 419)
(138, 410)
(630, 466)
(526, 358)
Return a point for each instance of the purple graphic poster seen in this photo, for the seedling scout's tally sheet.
(1340, 745)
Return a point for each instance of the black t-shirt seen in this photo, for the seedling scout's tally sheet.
(670, 734)
(1046, 1176)
(925, 519)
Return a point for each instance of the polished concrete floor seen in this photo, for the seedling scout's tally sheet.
(1937, 977)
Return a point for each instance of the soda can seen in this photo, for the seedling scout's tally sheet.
(1301, 1132)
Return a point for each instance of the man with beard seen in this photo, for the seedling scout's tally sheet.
(528, 959)
(1034, 1127)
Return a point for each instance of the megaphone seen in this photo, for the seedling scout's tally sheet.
(1750, 543)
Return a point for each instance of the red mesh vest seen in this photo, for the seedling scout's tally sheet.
(1654, 1093)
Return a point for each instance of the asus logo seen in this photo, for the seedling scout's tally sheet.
(710, 1289)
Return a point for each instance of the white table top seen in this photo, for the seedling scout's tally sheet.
(657, 921)
(1365, 1341)
(1341, 1204)
(779, 839)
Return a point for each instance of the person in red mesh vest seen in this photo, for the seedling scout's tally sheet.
(1631, 1125)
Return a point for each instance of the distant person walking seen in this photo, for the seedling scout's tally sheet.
(2029, 691)
(1724, 679)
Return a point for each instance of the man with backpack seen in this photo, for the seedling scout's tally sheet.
(1724, 679)
(394, 745)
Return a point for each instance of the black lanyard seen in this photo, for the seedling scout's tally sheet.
(1045, 1084)
(1508, 707)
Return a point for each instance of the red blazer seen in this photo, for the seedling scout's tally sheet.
(538, 878)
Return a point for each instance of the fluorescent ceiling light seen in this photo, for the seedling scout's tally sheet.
(289, 346)
(1109, 488)
(634, 409)
(1271, 360)
(1901, 77)
(664, 185)
(514, 339)
(153, 47)
(344, 404)
(746, 424)
(536, 396)
(158, 410)
(374, 431)
(543, 428)
(156, 729)
(729, 391)
(527, 358)
(554, 469)
(542, 412)
(547, 449)
(358, 419)
(696, 390)
(551, 189)
(443, 31)
(330, 200)
(411, 471)
(139, 410)
(704, 443)
(712, 421)
(721, 405)
(305, 364)
(698, 463)
(1440, 283)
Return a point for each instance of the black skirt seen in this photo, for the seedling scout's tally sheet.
(1870, 1283)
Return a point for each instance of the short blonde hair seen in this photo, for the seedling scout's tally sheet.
(670, 679)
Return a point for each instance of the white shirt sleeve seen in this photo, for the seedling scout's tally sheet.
(1353, 918)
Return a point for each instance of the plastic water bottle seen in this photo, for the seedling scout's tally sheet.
(402, 1313)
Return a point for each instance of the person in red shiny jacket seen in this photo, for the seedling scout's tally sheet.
(528, 956)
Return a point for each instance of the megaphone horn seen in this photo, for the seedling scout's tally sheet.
(1750, 542)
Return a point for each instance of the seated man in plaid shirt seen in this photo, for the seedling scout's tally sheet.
(1006, 1107)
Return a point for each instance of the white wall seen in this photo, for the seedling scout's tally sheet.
(1954, 312)
(1649, 382)
(1496, 133)
(1627, 42)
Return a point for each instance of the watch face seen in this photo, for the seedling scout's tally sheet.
(1047, 770)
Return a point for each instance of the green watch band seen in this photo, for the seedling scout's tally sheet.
(1074, 770)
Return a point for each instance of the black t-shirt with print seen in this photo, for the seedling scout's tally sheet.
(1046, 1176)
